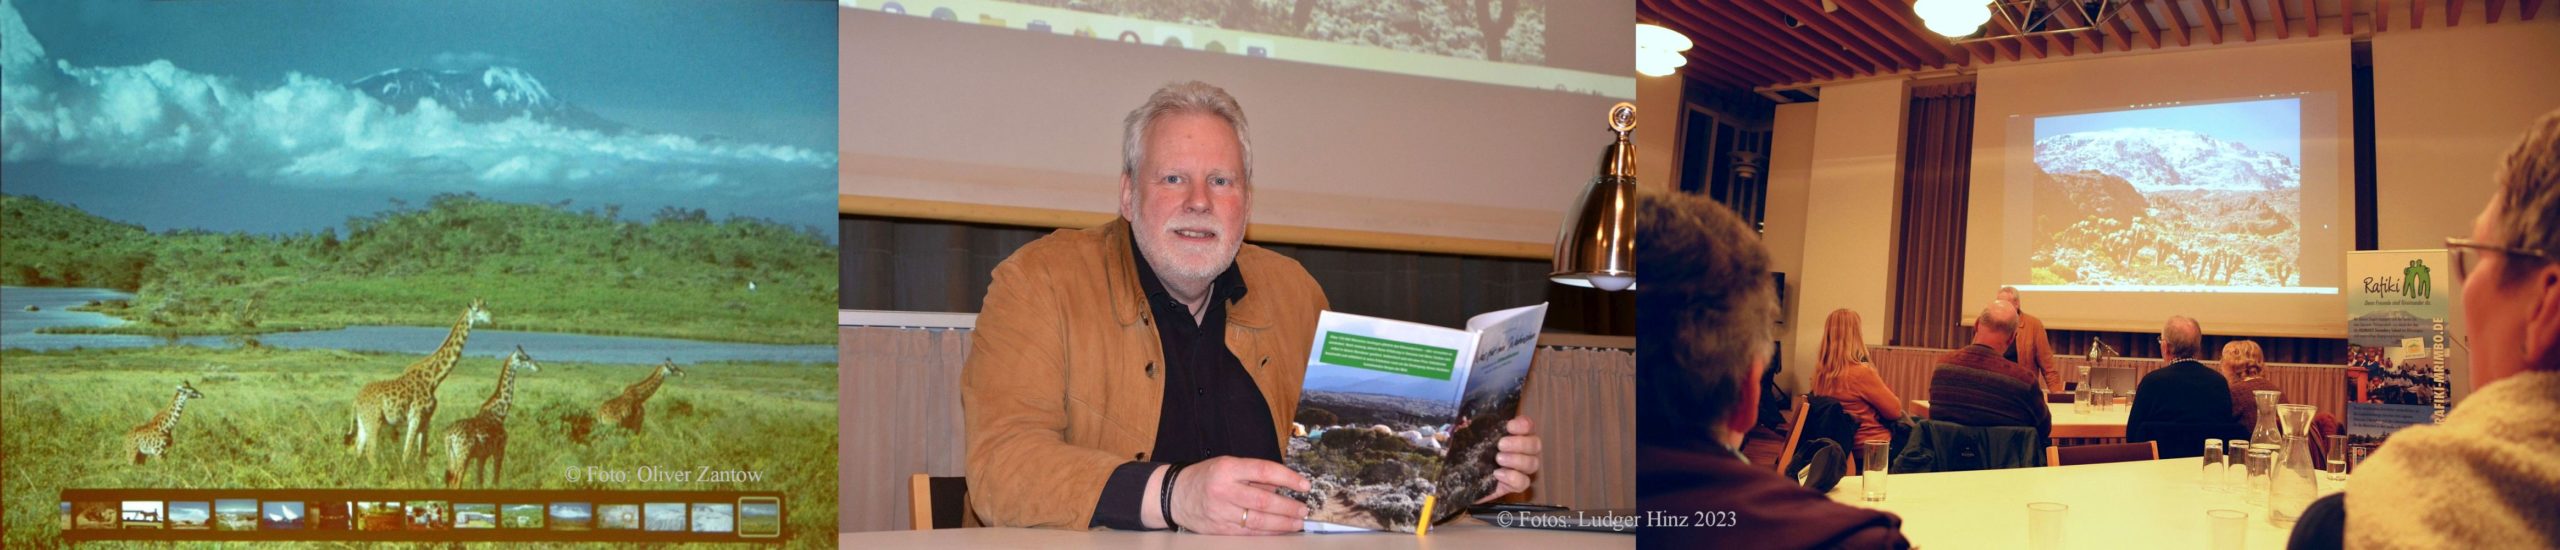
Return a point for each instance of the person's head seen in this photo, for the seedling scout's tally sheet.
(2010, 294)
(1186, 173)
(1997, 325)
(1705, 304)
(1843, 344)
(2511, 294)
(2242, 359)
(2181, 338)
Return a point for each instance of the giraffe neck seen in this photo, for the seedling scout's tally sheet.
(177, 406)
(649, 386)
(505, 397)
(438, 365)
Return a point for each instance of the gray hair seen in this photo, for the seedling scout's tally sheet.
(2529, 189)
(2183, 338)
(1177, 98)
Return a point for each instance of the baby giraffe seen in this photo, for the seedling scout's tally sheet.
(627, 410)
(153, 437)
(478, 445)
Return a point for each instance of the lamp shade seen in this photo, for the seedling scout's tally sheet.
(1597, 247)
(1953, 17)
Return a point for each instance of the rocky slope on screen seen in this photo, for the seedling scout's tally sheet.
(2154, 159)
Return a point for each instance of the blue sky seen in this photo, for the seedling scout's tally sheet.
(233, 116)
(2269, 125)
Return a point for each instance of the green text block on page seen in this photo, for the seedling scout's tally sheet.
(1380, 354)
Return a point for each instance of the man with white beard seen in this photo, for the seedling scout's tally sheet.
(1143, 375)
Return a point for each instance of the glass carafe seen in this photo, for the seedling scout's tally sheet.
(2296, 482)
(2268, 434)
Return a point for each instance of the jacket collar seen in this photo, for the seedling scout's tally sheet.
(1129, 298)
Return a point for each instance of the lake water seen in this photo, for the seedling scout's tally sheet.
(18, 331)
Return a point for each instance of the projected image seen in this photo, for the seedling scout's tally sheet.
(1511, 31)
(395, 246)
(2198, 197)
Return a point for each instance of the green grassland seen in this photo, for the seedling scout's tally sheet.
(276, 418)
(542, 267)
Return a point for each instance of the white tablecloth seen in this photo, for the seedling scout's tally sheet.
(2147, 504)
(2096, 424)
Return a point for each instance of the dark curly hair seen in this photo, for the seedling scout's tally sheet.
(1704, 310)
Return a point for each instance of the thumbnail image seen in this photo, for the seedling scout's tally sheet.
(193, 516)
(475, 516)
(301, 231)
(618, 516)
(666, 516)
(378, 516)
(715, 517)
(143, 514)
(1515, 33)
(235, 515)
(572, 516)
(330, 515)
(96, 515)
(429, 515)
(281, 515)
(522, 516)
(760, 517)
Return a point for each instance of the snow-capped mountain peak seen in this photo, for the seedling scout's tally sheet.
(2157, 159)
(486, 95)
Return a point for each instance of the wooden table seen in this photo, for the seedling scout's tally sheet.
(2145, 504)
(1462, 534)
(2094, 425)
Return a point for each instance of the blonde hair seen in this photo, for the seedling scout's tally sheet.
(1843, 344)
(2243, 359)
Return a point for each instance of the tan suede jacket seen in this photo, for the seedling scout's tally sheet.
(1064, 380)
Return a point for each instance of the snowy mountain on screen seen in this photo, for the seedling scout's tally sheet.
(486, 95)
(2155, 159)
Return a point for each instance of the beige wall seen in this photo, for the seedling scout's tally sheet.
(1848, 230)
(2448, 103)
(1658, 108)
(1790, 180)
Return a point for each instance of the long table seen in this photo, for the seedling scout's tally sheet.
(2068, 424)
(2144, 504)
(1464, 534)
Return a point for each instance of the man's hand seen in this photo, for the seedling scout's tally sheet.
(1233, 496)
(1518, 458)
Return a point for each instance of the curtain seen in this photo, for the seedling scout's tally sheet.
(1937, 168)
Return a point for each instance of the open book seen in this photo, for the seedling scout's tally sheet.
(1393, 412)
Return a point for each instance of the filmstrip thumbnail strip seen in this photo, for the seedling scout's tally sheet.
(426, 515)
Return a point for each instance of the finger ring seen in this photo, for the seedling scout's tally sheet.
(1248, 517)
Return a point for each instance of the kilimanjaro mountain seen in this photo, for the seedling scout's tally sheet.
(2154, 159)
(487, 95)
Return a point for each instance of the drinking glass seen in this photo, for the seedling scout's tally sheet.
(2104, 398)
(2044, 524)
(2227, 529)
(2235, 456)
(2337, 458)
(2213, 469)
(2261, 474)
(2080, 401)
(1875, 455)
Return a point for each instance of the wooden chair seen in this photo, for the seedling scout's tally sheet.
(939, 503)
(2101, 454)
(1794, 432)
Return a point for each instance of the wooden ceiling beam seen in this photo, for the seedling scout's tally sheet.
(2453, 13)
(2495, 7)
(2124, 36)
(2311, 14)
(2284, 23)
(2002, 16)
(2381, 15)
(1810, 61)
(1727, 48)
(2088, 32)
(2527, 7)
(2178, 22)
(1873, 56)
(1710, 53)
(2142, 18)
(2248, 21)
(2417, 14)
(1932, 49)
(2212, 20)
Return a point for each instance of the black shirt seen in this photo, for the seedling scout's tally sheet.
(1212, 407)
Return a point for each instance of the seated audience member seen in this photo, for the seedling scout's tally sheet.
(2244, 367)
(1973, 386)
(2183, 403)
(2488, 475)
(1841, 372)
(1704, 301)
(2034, 349)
